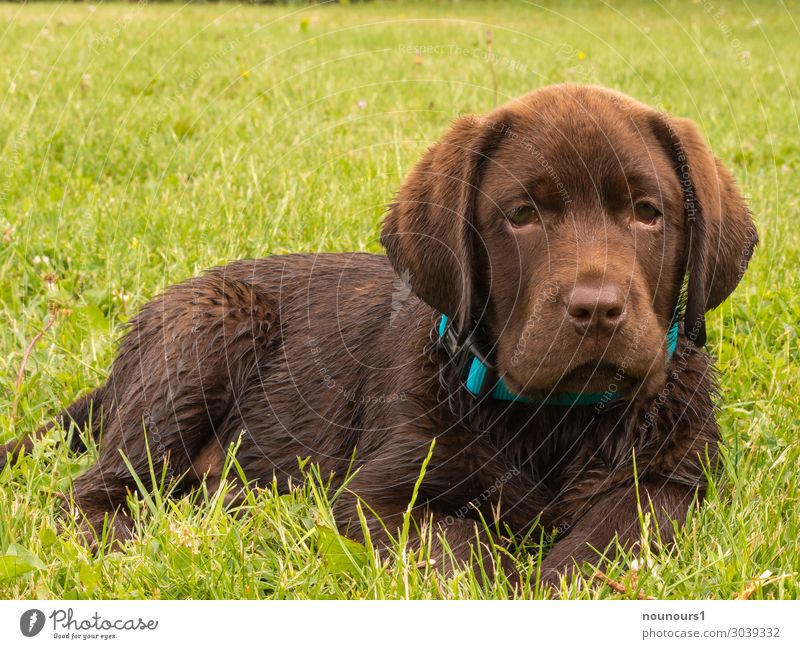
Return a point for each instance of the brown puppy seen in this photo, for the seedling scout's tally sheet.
(556, 233)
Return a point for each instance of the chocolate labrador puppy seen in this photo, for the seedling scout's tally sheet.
(534, 338)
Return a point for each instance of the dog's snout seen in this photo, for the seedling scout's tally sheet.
(594, 309)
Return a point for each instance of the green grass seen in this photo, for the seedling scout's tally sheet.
(140, 145)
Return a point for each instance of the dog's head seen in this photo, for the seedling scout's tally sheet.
(562, 225)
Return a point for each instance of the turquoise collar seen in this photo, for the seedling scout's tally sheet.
(481, 378)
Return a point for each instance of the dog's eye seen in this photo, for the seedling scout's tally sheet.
(647, 213)
(524, 215)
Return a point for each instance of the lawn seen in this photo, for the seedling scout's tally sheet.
(142, 144)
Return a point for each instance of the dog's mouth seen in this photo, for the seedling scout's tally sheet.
(589, 378)
(595, 377)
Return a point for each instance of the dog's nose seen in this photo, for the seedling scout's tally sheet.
(596, 309)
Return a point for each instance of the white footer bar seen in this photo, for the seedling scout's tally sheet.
(411, 624)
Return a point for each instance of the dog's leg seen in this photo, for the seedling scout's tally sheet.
(177, 375)
(452, 543)
(614, 518)
(465, 480)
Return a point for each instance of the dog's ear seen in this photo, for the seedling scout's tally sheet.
(720, 230)
(429, 232)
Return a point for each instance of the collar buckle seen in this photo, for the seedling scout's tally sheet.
(468, 359)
